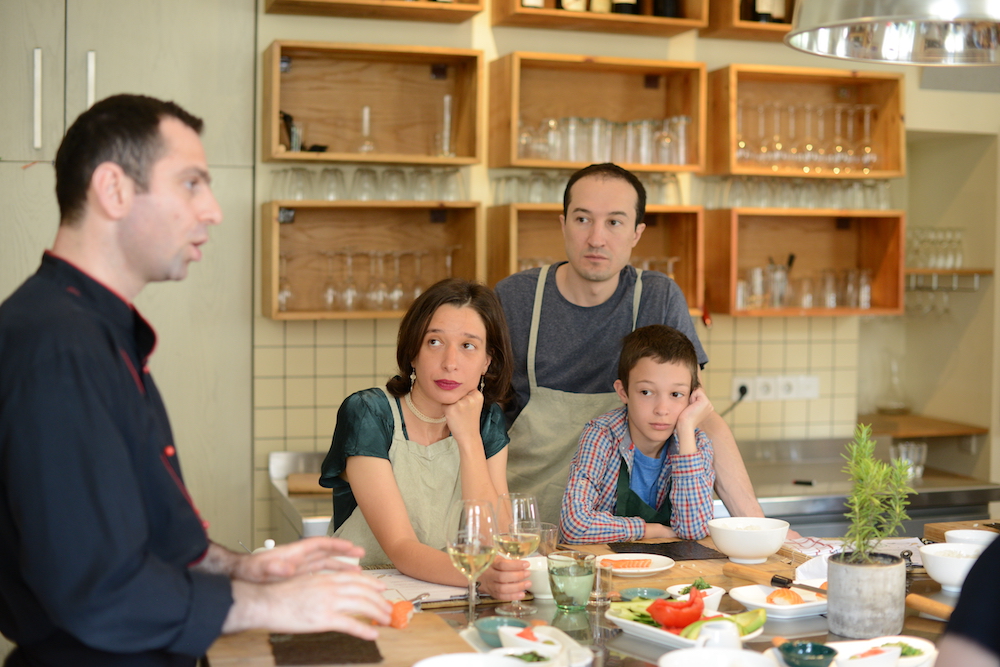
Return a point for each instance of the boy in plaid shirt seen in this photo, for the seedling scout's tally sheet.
(644, 469)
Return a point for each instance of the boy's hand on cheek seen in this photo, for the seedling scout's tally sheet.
(697, 410)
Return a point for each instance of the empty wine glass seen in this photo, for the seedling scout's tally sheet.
(838, 147)
(808, 155)
(742, 147)
(775, 143)
(349, 292)
(378, 291)
(867, 151)
(470, 543)
(364, 187)
(367, 145)
(396, 294)
(330, 286)
(517, 534)
(284, 285)
(418, 279)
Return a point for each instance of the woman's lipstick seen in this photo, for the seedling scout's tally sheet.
(447, 385)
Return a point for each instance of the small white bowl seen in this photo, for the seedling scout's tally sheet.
(538, 575)
(748, 540)
(948, 563)
(888, 658)
(713, 595)
(509, 638)
(714, 657)
(984, 537)
(553, 656)
(468, 660)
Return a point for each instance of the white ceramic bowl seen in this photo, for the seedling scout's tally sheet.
(888, 658)
(984, 537)
(713, 595)
(748, 540)
(714, 657)
(538, 575)
(469, 660)
(949, 562)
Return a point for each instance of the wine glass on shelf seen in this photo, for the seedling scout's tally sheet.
(367, 145)
(284, 285)
(349, 292)
(470, 543)
(838, 147)
(378, 291)
(397, 294)
(809, 153)
(742, 147)
(866, 151)
(418, 279)
(517, 534)
(330, 296)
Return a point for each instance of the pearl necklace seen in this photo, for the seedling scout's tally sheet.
(420, 415)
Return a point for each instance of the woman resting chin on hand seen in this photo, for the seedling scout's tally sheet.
(435, 435)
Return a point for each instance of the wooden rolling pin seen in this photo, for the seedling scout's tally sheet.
(929, 606)
(738, 571)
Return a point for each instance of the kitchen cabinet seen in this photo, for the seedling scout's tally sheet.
(694, 15)
(724, 22)
(529, 88)
(406, 10)
(304, 245)
(532, 232)
(743, 102)
(739, 239)
(325, 88)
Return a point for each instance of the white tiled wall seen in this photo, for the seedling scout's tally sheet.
(303, 370)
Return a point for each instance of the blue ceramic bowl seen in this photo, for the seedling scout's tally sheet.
(630, 594)
(487, 628)
(806, 654)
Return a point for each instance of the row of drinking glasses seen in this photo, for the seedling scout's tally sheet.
(808, 138)
(541, 187)
(367, 184)
(769, 287)
(646, 141)
(341, 291)
(762, 192)
(935, 248)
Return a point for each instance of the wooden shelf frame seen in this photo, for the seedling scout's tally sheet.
(517, 231)
(908, 427)
(457, 11)
(513, 13)
(741, 238)
(327, 84)
(384, 226)
(528, 87)
(724, 22)
(728, 85)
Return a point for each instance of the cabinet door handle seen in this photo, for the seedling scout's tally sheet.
(91, 77)
(37, 101)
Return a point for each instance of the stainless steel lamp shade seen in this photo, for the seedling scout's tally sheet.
(918, 32)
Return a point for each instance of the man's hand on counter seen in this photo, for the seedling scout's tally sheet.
(314, 554)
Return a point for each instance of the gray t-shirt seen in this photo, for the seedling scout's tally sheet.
(578, 346)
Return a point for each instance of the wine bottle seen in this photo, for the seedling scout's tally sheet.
(600, 6)
(625, 6)
(572, 5)
(537, 4)
(669, 8)
(757, 10)
(778, 11)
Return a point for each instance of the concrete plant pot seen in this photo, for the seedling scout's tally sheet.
(866, 600)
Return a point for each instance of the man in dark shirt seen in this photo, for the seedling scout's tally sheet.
(105, 560)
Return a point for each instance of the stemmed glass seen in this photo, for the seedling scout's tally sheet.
(517, 535)
(349, 293)
(396, 294)
(470, 544)
(808, 155)
(867, 151)
(330, 286)
(284, 285)
(367, 145)
(418, 278)
(838, 149)
(378, 291)
(742, 148)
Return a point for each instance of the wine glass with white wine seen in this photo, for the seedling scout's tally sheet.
(517, 535)
(470, 544)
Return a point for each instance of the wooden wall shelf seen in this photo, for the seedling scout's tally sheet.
(325, 85)
(518, 231)
(526, 88)
(741, 238)
(512, 13)
(404, 10)
(724, 22)
(319, 226)
(907, 427)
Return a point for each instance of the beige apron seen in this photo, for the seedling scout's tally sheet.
(429, 481)
(544, 437)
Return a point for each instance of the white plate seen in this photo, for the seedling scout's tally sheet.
(658, 636)
(862, 645)
(755, 597)
(549, 637)
(657, 564)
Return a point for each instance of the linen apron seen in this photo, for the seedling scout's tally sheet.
(545, 435)
(629, 503)
(429, 482)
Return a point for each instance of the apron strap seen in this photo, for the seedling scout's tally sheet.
(636, 296)
(397, 419)
(536, 311)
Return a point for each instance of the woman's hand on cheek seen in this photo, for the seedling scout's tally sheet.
(463, 416)
(505, 579)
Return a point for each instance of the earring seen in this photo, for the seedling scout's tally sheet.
(413, 376)
(482, 383)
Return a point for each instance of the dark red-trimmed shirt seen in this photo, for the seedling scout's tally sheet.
(96, 527)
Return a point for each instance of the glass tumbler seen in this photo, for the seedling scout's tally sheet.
(364, 187)
(332, 186)
(571, 577)
(450, 186)
(421, 184)
(394, 185)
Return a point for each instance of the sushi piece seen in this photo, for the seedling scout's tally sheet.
(784, 596)
(402, 612)
(629, 564)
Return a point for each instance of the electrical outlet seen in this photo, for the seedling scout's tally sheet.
(746, 382)
(788, 387)
(808, 386)
(765, 388)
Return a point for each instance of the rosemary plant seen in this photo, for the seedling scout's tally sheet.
(877, 504)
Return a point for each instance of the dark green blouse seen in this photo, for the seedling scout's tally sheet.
(364, 428)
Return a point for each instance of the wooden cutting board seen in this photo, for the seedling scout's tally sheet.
(427, 635)
(935, 531)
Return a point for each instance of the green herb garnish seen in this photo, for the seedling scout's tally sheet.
(530, 656)
(698, 583)
(906, 651)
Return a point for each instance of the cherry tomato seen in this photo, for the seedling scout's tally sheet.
(678, 613)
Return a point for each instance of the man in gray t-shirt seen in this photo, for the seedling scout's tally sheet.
(587, 305)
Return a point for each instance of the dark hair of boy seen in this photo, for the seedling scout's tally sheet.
(609, 170)
(662, 344)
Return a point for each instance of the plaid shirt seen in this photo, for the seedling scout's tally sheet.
(592, 490)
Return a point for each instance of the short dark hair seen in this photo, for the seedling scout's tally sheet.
(124, 129)
(609, 170)
(457, 292)
(660, 343)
